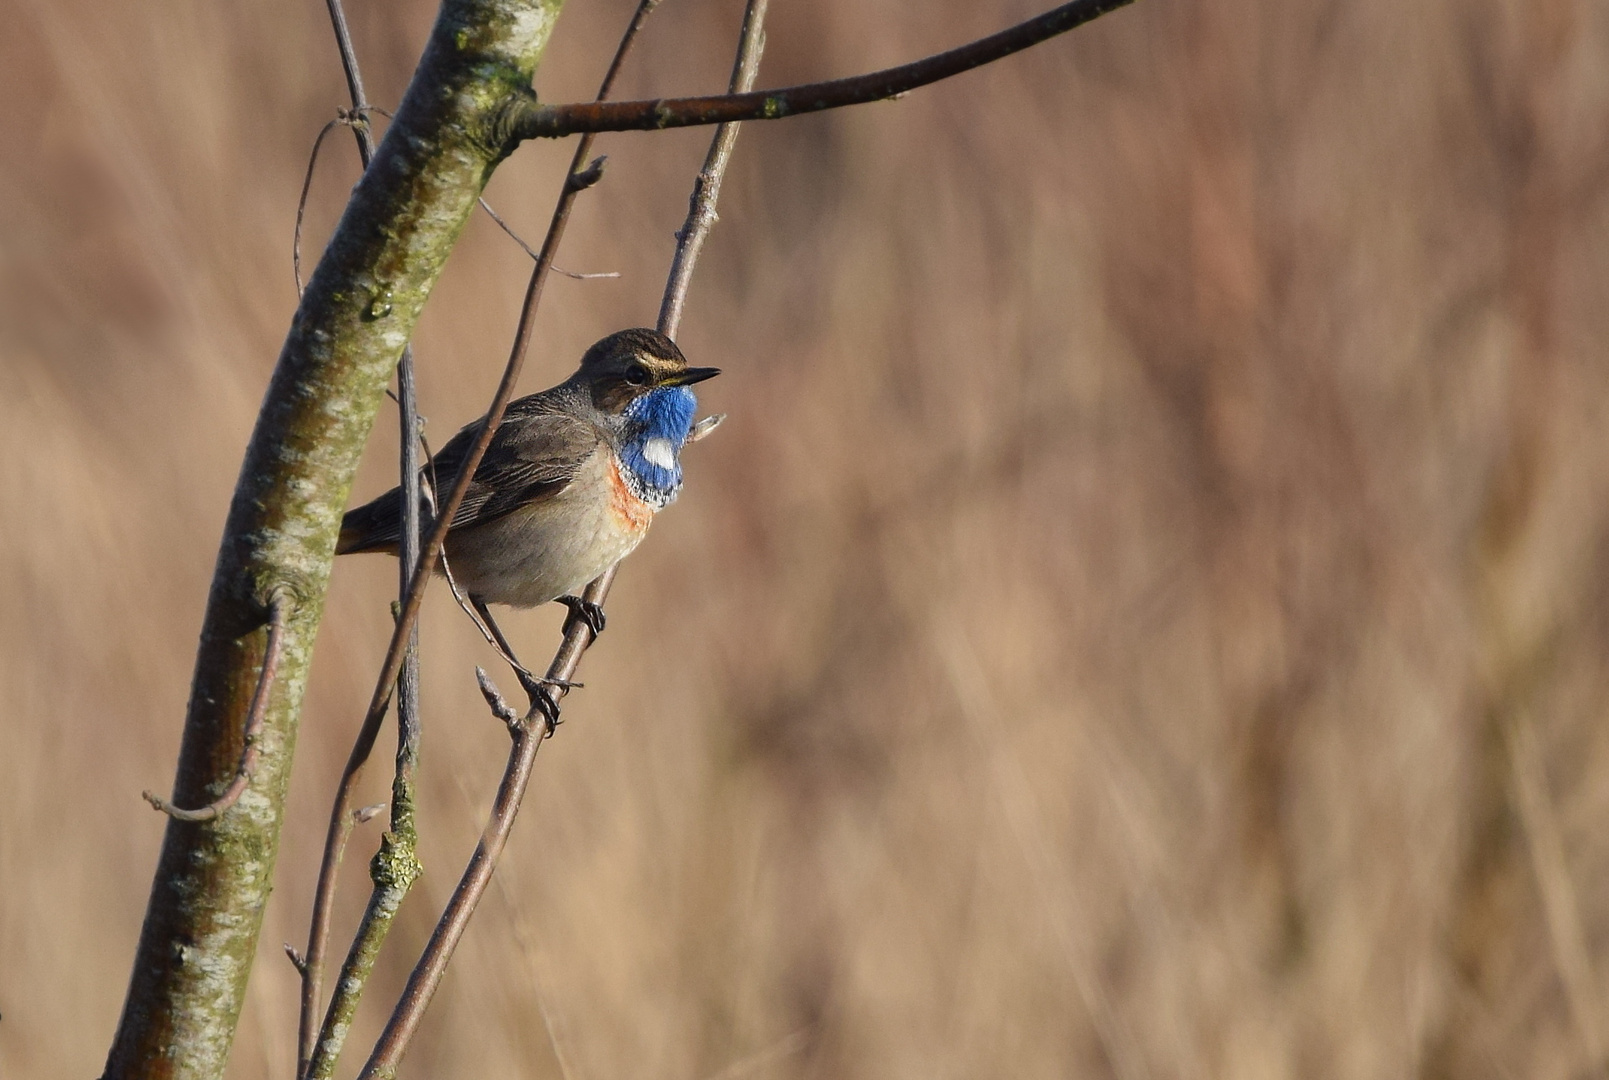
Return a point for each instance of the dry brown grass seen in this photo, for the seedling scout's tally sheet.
(1146, 615)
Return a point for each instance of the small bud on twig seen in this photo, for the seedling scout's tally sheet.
(494, 698)
(580, 181)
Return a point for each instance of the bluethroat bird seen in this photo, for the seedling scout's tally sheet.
(567, 488)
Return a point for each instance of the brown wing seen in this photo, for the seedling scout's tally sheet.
(534, 456)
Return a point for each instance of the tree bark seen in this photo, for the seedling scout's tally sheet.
(212, 881)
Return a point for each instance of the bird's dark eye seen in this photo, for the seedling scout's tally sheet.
(637, 375)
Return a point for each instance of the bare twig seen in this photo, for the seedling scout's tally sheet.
(301, 203)
(354, 77)
(528, 733)
(395, 866)
(278, 612)
(399, 1031)
(495, 700)
(533, 253)
(357, 118)
(536, 121)
(707, 186)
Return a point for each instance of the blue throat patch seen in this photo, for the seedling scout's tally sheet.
(656, 427)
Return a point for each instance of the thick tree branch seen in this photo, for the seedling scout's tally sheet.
(205, 909)
(534, 121)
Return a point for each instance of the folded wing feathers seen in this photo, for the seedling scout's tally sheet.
(534, 455)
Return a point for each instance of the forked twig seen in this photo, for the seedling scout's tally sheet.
(529, 732)
(278, 612)
(357, 118)
(495, 700)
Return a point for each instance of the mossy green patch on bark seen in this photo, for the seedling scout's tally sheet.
(394, 869)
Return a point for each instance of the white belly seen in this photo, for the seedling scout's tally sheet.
(554, 547)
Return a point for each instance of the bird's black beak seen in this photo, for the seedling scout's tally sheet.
(690, 376)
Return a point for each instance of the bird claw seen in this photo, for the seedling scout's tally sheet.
(586, 611)
(542, 702)
(535, 684)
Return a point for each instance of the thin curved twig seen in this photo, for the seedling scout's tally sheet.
(531, 731)
(278, 613)
(707, 187)
(533, 253)
(301, 203)
(356, 118)
(536, 121)
(395, 866)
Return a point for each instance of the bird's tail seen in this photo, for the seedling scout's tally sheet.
(374, 526)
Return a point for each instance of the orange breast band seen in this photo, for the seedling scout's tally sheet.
(631, 513)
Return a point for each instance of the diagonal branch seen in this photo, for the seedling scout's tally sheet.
(530, 731)
(534, 121)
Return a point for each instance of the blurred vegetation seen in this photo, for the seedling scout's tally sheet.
(1145, 615)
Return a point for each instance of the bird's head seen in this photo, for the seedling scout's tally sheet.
(633, 364)
(640, 381)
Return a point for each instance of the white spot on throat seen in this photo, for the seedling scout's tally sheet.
(659, 451)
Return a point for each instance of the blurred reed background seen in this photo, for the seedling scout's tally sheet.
(1145, 617)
